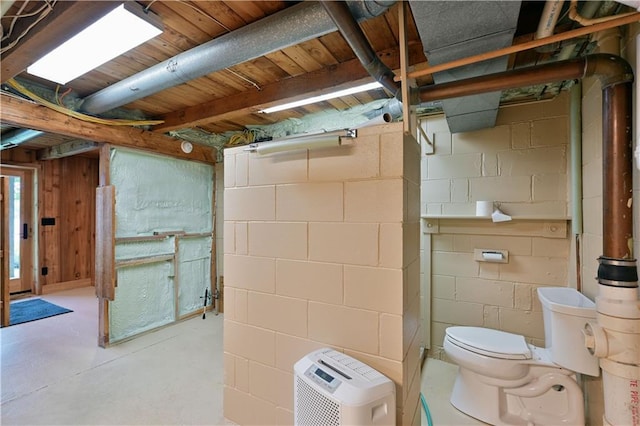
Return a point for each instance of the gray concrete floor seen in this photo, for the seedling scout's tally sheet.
(53, 373)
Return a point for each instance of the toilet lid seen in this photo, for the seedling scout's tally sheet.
(489, 342)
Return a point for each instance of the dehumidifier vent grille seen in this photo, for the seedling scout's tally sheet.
(313, 408)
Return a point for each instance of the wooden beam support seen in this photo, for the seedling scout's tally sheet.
(67, 149)
(67, 17)
(335, 77)
(21, 113)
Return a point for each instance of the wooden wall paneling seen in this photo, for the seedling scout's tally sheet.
(79, 178)
(4, 253)
(213, 288)
(50, 235)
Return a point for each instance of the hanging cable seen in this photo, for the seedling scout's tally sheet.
(46, 9)
(84, 117)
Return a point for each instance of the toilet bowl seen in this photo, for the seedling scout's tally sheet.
(503, 380)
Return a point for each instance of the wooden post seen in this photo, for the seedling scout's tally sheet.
(105, 245)
(4, 252)
(408, 116)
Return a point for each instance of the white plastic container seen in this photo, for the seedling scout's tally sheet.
(566, 311)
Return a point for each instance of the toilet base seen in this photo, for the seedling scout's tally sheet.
(495, 405)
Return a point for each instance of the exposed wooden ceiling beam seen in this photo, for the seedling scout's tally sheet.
(335, 77)
(67, 149)
(21, 113)
(67, 17)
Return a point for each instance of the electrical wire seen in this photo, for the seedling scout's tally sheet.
(45, 10)
(80, 116)
(244, 138)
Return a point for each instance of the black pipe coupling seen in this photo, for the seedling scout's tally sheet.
(617, 272)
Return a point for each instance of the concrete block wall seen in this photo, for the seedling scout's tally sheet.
(321, 248)
(522, 165)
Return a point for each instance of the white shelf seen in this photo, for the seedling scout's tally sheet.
(463, 217)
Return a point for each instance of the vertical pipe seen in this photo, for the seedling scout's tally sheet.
(617, 172)
(575, 122)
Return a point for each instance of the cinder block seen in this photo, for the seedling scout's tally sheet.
(454, 264)
(391, 245)
(535, 270)
(515, 245)
(242, 238)
(317, 202)
(460, 190)
(281, 167)
(551, 247)
(344, 327)
(375, 289)
(527, 323)
(271, 384)
(374, 200)
(245, 409)
(348, 243)
(317, 281)
(287, 240)
(229, 170)
(436, 191)
(359, 159)
(252, 203)
(501, 188)
(250, 342)
(546, 160)
(454, 166)
(282, 314)
(550, 187)
(242, 169)
(521, 135)
(550, 132)
(493, 139)
(487, 292)
(391, 337)
(443, 287)
(251, 273)
(456, 312)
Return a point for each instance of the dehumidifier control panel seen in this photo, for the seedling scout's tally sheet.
(322, 377)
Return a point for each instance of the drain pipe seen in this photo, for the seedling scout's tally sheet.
(295, 24)
(615, 339)
(353, 34)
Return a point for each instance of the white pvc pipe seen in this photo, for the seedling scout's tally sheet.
(550, 15)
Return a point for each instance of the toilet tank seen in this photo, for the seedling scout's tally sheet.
(565, 312)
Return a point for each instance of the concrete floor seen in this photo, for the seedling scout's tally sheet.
(53, 373)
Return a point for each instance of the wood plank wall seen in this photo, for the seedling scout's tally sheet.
(67, 194)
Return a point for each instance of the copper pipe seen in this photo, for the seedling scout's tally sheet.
(617, 159)
(565, 70)
(578, 32)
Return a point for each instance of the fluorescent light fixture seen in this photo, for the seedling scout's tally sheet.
(293, 143)
(320, 98)
(122, 29)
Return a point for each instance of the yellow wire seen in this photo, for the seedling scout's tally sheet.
(80, 116)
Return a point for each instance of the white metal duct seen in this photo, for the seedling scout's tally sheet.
(452, 30)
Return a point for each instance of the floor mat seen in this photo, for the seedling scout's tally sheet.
(34, 309)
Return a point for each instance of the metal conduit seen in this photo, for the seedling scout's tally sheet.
(290, 26)
(353, 34)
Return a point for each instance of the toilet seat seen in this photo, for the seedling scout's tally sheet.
(489, 342)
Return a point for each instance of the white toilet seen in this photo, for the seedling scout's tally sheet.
(502, 380)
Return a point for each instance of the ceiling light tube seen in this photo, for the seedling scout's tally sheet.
(320, 98)
(122, 29)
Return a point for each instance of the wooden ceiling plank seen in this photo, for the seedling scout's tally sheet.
(67, 17)
(285, 64)
(20, 113)
(280, 91)
(348, 73)
(301, 57)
